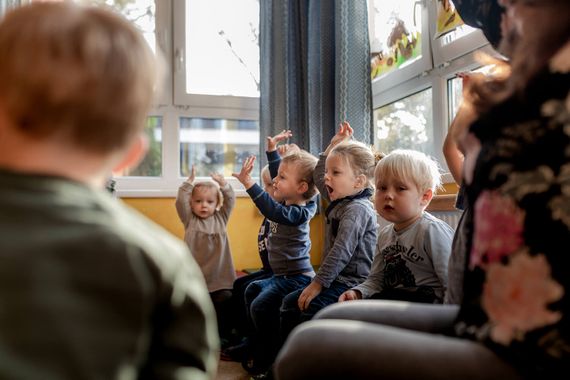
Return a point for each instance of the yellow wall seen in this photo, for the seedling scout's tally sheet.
(242, 228)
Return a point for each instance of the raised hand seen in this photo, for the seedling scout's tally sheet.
(217, 177)
(273, 141)
(344, 133)
(288, 149)
(192, 176)
(244, 176)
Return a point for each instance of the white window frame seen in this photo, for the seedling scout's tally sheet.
(446, 48)
(449, 59)
(244, 107)
(174, 104)
(412, 70)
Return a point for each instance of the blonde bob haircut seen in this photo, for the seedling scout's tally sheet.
(210, 185)
(84, 74)
(410, 165)
(360, 157)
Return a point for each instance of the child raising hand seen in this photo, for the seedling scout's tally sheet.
(204, 208)
(343, 176)
(288, 244)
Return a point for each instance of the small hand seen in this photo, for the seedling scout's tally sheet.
(308, 294)
(288, 149)
(192, 176)
(350, 295)
(217, 177)
(244, 176)
(344, 133)
(273, 141)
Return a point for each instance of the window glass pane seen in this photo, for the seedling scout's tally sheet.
(141, 12)
(455, 90)
(222, 47)
(396, 34)
(406, 124)
(217, 145)
(151, 165)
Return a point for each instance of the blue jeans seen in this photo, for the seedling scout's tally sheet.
(263, 300)
(292, 316)
(240, 313)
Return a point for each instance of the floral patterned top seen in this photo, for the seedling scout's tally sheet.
(517, 280)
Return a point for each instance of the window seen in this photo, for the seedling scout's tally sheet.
(209, 107)
(217, 53)
(398, 44)
(216, 145)
(406, 123)
(413, 110)
(151, 165)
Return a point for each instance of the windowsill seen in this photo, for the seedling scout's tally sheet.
(169, 189)
(443, 202)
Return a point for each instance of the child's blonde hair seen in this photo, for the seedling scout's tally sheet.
(361, 158)
(306, 164)
(212, 186)
(79, 72)
(266, 175)
(411, 165)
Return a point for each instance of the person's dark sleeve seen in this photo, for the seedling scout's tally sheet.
(273, 162)
(292, 215)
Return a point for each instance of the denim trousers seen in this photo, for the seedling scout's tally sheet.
(239, 310)
(291, 315)
(263, 300)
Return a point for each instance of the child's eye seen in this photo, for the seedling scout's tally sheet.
(402, 188)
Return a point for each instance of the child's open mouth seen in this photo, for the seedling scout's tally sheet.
(330, 190)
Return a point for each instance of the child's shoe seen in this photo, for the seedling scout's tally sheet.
(237, 353)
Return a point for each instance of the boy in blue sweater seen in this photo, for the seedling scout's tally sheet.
(288, 246)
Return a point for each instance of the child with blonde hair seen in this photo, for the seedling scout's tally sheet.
(343, 176)
(412, 252)
(288, 246)
(204, 208)
(89, 288)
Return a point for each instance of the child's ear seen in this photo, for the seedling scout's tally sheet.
(303, 187)
(426, 197)
(134, 154)
(360, 181)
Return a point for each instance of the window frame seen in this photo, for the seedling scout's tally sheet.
(173, 104)
(445, 52)
(422, 65)
(449, 60)
(242, 106)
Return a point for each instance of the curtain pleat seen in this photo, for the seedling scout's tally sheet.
(315, 70)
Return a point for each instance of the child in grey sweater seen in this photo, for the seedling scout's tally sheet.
(412, 253)
(343, 177)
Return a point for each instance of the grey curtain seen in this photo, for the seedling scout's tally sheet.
(315, 70)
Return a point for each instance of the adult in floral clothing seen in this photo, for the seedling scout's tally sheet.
(514, 322)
